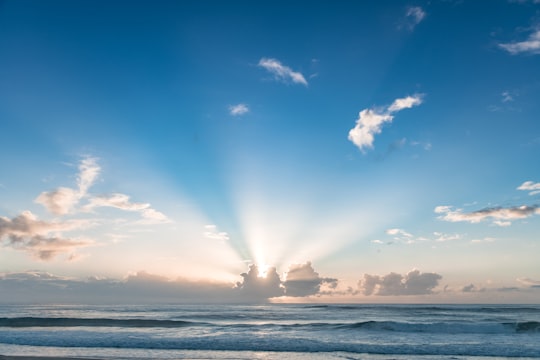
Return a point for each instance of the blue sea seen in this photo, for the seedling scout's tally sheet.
(274, 331)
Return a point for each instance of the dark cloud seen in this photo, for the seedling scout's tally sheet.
(302, 280)
(393, 284)
(254, 286)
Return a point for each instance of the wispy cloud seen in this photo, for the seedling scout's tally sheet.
(501, 216)
(123, 202)
(533, 187)
(63, 199)
(370, 121)
(211, 232)
(413, 16)
(530, 46)
(238, 109)
(281, 72)
(393, 284)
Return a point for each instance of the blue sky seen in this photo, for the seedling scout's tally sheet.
(357, 151)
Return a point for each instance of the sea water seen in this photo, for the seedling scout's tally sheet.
(274, 331)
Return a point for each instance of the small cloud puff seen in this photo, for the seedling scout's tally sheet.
(213, 233)
(239, 109)
(281, 72)
(370, 121)
(413, 16)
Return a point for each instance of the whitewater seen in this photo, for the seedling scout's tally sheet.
(272, 331)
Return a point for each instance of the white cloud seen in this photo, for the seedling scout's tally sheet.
(123, 202)
(393, 284)
(534, 188)
(531, 45)
(442, 237)
(238, 109)
(500, 216)
(62, 200)
(370, 121)
(398, 232)
(281, 72)
(212, 233)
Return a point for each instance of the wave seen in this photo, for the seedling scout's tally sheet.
(92, 322)
(249, 342)
(369, 326)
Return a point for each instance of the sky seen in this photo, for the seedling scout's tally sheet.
(240, 151)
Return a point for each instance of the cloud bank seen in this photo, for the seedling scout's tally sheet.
(281, 72)
(393, 284)
(370, 121)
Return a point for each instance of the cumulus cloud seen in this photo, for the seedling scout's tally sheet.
(238, 109)
(370, 121)
(501, 216)
(254, 286)
(533, 187)
(302, 280)
(281, 72)
(62, 200)
(530, 46)
(40, 239)
(393, 284)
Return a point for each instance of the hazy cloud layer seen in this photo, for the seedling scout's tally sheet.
(239, 109)
(281, 72)
(533, 187)
(40, 239)
(393, 284)
(370, 121)
(500, 216)
(530, 46)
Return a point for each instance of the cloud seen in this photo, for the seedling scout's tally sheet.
(302, 280)
(212, 233)
(507, 97)
(281, 72)
(255, 287)
(370, 121)
(500, 216)
(398, 232)
(62, 200)
(239, 109)
(123, 202)
(529, 282)
(413, 16)
(534, 188)
(531, 45)
(393, 284)
(40, 239)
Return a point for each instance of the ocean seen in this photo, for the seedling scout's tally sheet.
(273, 331)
